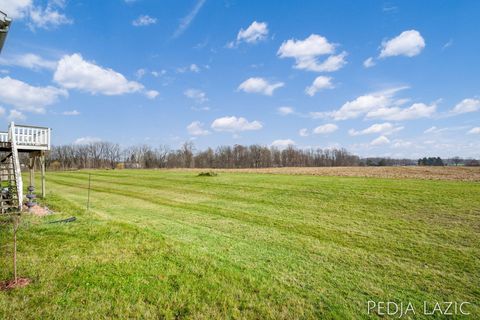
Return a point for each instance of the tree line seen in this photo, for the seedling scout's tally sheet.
(110, 155)
(98, 155)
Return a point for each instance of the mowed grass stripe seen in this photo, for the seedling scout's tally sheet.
(432, 251)
(170, 244)
(336, 262)
(313, 215)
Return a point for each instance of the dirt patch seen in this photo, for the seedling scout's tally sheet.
(12, 284)
(38, 210)
(426, 173)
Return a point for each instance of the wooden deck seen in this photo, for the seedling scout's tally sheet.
(27, 138)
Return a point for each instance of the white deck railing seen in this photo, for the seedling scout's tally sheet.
(27, 137)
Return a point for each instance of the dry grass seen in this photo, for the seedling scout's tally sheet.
(426, 173)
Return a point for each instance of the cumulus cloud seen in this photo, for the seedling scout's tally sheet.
(325, 129)
(234, 124)
(466, 105)
(26, 97)
(320, 83)
(197, 95)
(306, 53)
(256, 32)
(29, 61)
(36, 15)
(284, 111)
(259, 85)
(363, 104)
(369, 62)
(415, 111)
(73, 72)
(475, 130)
(382, 140)
(87, 140)
(409, 43)
(196, 129)
(144, 20)
(282, 143)
(383, 128)
(382, 105)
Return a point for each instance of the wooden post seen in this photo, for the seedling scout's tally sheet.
(42, 168)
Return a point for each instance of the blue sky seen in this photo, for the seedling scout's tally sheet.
(391, 78)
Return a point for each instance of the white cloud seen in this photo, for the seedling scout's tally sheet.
(448, 44)
(140, 73)
(282, 143)
(71, 113)
(466, 105)
(15, 115)
(259, 85)
(234, 124)
(30, 61)
(2, 111)
(151, 94)
(73, 72)
(383, 128)
(303, 132)
(26, 97)
(188, 19)
(48, 17)
(382, 105)
(436, 130)
(17, 9)
(415, 111)
(192, 68)
(325, 129)
(362, 105)
(197, 95)
(157, 74)
(285, 111)
(475, 130)
(320, 83)
(409, 43)
(399, 144)
(382, 140)
(144, 20)
(369, 62)
(87, 140)
(36, 16)
(306, 53)
(256, 32)
(196, 129)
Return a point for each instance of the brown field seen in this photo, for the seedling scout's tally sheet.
(428, 173)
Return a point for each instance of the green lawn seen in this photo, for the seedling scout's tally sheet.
(169, 244)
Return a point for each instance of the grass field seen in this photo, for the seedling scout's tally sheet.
(169, 244)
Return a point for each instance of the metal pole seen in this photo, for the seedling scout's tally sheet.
(88, 195)
(42, 168)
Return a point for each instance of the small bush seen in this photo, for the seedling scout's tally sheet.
(207, 174)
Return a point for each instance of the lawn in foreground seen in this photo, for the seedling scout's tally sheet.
(171, 244)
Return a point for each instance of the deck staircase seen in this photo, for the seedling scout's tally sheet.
(17, 139)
